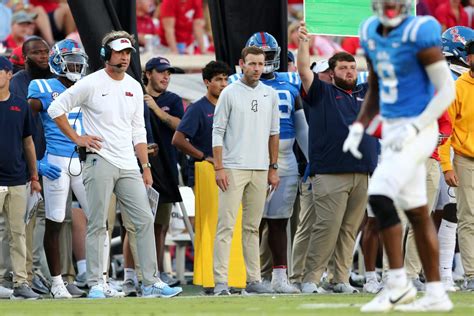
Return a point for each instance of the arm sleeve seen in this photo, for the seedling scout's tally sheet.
(190, 122)
(71, 98)
(275, 123)
(444, 150)
(221, 119)
(149, 133)
(178, 109)
(138, 121)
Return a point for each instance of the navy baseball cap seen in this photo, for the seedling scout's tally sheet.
(291, 57)
(159, 64)
(5, 64)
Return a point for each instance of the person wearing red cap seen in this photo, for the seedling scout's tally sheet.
(17, 59)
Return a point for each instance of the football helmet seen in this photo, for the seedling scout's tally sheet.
(454, 42)
(68, 59)
(269, 45)
(385, 10)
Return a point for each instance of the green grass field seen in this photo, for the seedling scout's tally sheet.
(329, 304)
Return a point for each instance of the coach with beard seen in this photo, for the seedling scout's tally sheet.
(339, 181)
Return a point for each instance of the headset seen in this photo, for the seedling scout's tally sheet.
(105, 52)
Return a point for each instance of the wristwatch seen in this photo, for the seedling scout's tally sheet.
(273, 166)
(146, 165)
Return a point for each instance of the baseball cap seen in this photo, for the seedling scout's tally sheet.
(23, 17)
(120, 44)
(5, 64)
(320, 66)
(160, 64)
(291, 57)
(16, 57)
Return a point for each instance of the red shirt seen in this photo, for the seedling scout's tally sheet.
(184, 12)
(445, 16)
(145, 25)
(434, 4)
(9, 42)
(445, 128)
(48, 5)
(350, 45)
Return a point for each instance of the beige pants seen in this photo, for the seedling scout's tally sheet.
(306, 218)
(248, 187)
(412, 259)
(340, 202)
(13, 208)
(464, 168)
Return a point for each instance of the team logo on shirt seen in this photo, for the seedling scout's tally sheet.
(128, 94)
(54, 95)
(15, 108)
(254, 106)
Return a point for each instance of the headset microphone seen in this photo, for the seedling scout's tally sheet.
(116, 65)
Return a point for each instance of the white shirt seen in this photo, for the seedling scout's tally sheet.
(113, 110)
(244, 119)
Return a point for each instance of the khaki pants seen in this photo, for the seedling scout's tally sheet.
(306, 219)
(340, 203)
(464, 168)
(13, 208)
(412, 259)
(248, 187)
(40, 264)
(101, 178)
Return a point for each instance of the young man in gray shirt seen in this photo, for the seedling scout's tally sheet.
(245, 146)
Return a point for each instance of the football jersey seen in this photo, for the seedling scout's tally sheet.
(46, 90)
(404, 87)
(287, 85)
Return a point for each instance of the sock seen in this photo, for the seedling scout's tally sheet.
(457, 259)
(370, 275)
(129, 274)
(279, 272)
(435, 289)
(397, 278)
(447, 243)
(56, 280)
(81, 266)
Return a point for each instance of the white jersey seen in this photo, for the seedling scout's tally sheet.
(113, 110)
(244, 119)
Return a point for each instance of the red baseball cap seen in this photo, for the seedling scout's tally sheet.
(16, 57)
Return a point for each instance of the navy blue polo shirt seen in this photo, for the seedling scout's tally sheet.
(15, 120)
(173, 105)
(332, 111)
(197, 126)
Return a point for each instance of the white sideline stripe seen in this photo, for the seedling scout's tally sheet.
(328, 305)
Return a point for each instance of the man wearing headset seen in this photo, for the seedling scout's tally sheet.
(112, 105)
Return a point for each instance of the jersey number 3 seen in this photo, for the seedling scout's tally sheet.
(389, 89)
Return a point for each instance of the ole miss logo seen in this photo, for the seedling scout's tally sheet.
(128, 94)
(15, 108)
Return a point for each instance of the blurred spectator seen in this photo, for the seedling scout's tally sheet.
(22, 27)
(293, 38)
(422, 8)
(295, 10)
(351, 45)
(450, 14)
(5, 18)
(60, 17)
(291, 62)
(182, 22)
(145, 24)
(469, 8)
(17, 59)
(434, 4)
(325, 46)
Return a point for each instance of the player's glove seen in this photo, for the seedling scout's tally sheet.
(352, 142)
(405, 136)
(48, 170)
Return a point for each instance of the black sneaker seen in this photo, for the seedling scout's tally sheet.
(128, 288)
(168, 279)
(39, 285)
(24, 292)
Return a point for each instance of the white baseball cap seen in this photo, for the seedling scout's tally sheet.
(320, 66)
(120, 44)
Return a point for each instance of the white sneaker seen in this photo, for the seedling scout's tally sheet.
(311, 288)
(428, 303)
(345, 288)
(283, 286)
(59, 291)
(109, 291)
(388, 298)
(372, 286)
(5, 292)
(449, 284)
